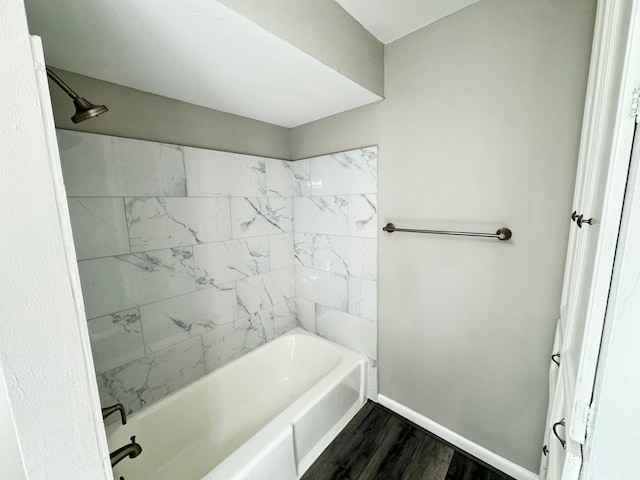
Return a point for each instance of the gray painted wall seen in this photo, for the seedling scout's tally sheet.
(324, 30)
(346, 131)
(145, 116)
(479, 129)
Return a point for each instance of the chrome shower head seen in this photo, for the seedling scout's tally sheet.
(84, 108)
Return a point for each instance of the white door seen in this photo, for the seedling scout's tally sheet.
(603, 164)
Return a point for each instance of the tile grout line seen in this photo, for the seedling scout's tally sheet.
(223, 195)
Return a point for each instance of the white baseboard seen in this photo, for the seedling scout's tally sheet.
(472, 448)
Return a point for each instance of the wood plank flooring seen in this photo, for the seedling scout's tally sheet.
(380, 445)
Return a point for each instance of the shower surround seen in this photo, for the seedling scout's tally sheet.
(335, 225)
(190, 258)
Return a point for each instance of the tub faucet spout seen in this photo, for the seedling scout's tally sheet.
(132, 451)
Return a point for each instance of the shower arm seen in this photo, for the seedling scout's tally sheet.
(67, 89)
(84, 108)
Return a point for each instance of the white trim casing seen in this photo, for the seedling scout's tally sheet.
(472, 448)
(618, 92)
(613, 436)
(602, 171)
(608, 450)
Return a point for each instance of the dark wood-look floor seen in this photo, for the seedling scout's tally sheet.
(380, 445)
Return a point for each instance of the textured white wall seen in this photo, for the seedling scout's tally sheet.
(479, 129)
(11, 459)
(43, 345)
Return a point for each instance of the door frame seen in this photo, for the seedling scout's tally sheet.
(608, 129)
(603, 452)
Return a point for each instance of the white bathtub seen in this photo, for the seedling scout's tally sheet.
(265, 416)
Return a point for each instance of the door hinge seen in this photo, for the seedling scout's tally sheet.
(589, 420)
(635, 103)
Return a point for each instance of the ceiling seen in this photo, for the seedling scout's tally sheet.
(205, 53)
(389, 20)
(197, 51)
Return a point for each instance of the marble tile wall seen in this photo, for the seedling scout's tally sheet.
(186, 258)
(335, 234)
(190, 258)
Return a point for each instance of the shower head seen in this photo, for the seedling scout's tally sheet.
(84, 108)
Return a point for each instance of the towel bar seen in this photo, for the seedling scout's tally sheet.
(502, 234)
